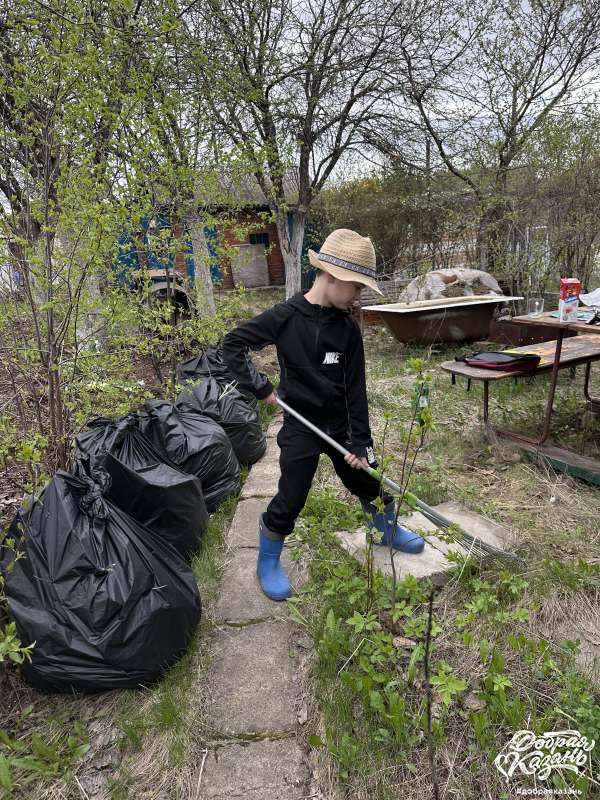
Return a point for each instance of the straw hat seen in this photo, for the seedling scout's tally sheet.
(347, 256)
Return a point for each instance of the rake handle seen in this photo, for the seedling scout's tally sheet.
(410, 499)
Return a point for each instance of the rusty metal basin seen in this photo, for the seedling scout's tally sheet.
(453, 319)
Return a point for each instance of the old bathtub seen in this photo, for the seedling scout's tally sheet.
(451, 319)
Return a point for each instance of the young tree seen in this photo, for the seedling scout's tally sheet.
(66, 78)
(481, 78)
(289, 85)
(558, 192)
(164, 147)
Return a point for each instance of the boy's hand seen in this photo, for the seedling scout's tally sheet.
(355, 461)
(271, 400)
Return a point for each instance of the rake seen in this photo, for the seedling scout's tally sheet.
(474, 544)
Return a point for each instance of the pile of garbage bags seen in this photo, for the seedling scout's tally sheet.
(197, 445)
(210, 364)
(107, 601)
(103, 583)
(228, 408)
(144, 482)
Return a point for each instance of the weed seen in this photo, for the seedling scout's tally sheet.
(25, 760)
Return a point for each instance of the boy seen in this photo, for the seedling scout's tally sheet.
(321, 358)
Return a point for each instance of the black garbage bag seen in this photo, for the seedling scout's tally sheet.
(197, 445)
(210, 364)
(145, 483)
(227, 407)
(108, 602)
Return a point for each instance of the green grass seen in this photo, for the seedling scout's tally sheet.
(486, 651)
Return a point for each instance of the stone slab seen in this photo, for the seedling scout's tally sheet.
(274, 427)
(432, 562)
(243, 531)
(475, 524)
(252, 680)
(264, 475)
(263, 479)
(267, 770)
(243, 599)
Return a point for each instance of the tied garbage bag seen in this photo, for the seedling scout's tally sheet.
(227, 407)
(210, 364)
(144, 482)
(197, 445)
(108, 602)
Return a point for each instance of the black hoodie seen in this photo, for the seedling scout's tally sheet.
(322, 364)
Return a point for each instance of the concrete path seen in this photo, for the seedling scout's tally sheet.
(255, 752)
(257, 708)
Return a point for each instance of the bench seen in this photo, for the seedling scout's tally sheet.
(583, 349)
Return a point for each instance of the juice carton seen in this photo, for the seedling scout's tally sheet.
(569, 299)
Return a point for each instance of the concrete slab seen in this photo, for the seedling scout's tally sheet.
(243, 600)
(475, 524)
(263, 479)
(252, 680)
(269, 770)
(275, 427)
(243, 531)
(432, 562)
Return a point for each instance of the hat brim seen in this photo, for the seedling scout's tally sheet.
(343, 274)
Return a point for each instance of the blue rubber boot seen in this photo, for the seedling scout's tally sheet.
(402, 539)
(271, 576)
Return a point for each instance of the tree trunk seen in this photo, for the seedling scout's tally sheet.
(203, 284)
(291, 249)
(493, 239)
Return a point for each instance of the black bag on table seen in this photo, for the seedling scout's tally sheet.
(502, 361)
(108, 602)
(210, 364)
(144, 482)
(227, 407)
(197, 445)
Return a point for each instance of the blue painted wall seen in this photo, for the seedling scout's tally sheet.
(127, 260)
(211, 243)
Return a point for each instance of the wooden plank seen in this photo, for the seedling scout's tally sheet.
(554, 322)
(574, 348)
(507, 333)
(582, 467)
(575, 351)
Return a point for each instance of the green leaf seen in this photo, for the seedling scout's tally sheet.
(415, 657)
(484, 649)
(5, 776)
(41, 749)
(316, 741)
(296, 615)
(376, 701)
(80, 751)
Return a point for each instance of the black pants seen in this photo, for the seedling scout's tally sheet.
(298, 460)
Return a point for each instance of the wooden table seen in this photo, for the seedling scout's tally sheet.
(572, 352)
